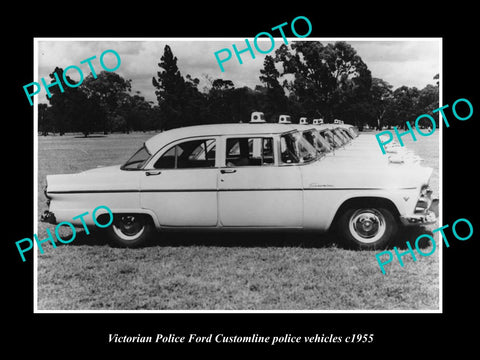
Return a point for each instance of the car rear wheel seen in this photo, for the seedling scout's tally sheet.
(367, 227)
(130, 230)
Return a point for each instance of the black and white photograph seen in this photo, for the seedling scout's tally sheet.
(260, 187)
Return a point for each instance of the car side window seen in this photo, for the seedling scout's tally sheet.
(288, 151)
(189, 154)
(245, 151)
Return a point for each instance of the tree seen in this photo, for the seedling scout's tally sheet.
(219, 98)
(349, 97)
(138, 114)
(90, 115)
(428, 100)
(194, 103)
(170, 87)
(179, 100)
(328, 81)
(404, 105)
(382, 97)
(95, 104)
(243, 102)
(45, 123)
(274, 99)
(105, 96)
(311, 82)
(63, 110)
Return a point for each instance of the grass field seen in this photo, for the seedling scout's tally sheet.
(220, 271)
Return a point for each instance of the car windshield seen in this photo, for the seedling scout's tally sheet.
(345, 134)
(341, 135)
(137, 160)
(317, 140)
(333, 140)
(295, 148)
(349, 132)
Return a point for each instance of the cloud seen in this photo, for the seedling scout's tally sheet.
(402, 62)
(410, 62)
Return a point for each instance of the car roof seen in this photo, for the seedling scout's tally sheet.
(306, 128)
(156, 142)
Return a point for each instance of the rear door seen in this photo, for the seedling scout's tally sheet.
(254, 190)
(181, 187)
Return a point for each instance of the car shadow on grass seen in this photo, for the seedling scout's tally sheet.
(89, 136)
(410, 234)
(214, 238)
(245, 239)
(263, 239)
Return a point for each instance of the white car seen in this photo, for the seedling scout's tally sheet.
(243, 176)
(342, 141)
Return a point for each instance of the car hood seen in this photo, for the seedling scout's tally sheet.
(362, 173)
(368, 156)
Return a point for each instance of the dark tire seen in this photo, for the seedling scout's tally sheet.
(368, 228)
(130, 230)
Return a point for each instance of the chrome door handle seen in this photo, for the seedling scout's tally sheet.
(152, 172)
(228, 171)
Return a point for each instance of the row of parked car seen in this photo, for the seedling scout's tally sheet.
(337, 137)
(250, 176)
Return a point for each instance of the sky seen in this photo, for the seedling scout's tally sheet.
(406, 61)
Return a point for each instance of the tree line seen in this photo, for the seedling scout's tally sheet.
(305, 78)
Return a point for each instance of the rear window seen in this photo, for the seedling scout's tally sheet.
(189, 154)
(245, 151)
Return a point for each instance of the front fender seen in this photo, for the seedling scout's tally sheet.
(322, 207)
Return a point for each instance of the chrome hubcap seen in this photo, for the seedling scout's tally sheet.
(367, 225)
(128, 227)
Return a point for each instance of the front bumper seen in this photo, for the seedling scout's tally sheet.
(428, 217)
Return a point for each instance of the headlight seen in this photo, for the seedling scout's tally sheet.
(425, 199)
(426, 190)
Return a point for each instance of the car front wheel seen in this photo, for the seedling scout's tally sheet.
(130, 230)
(367, 227)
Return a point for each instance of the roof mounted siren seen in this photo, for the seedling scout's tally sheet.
(257, 117)
(303, 121)
(284, 119)
(317, 121)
